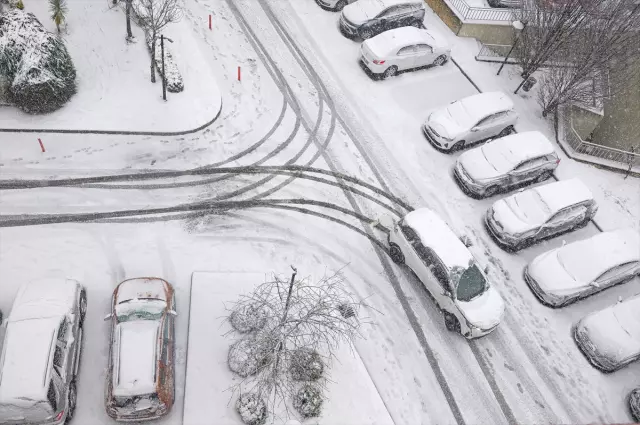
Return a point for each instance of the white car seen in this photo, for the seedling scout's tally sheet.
(505, 163)
(334, 5)
(539, 213)
(402, 49)
(580, 269)
(610, 338)
(470, 120)
(424, 242)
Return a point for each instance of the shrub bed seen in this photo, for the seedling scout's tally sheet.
(308, 401)
(306, 365)
(252, 409)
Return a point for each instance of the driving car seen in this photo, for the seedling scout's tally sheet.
(634, 404)
(610, 338)
(580, 269)
(505, 163)
(41, 353)
(424, 242)
(367, 18)
(334, 5)
(402, 49)
(542, 212)
(470, 120)
(140, 372)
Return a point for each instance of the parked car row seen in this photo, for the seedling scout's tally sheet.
(42, 347)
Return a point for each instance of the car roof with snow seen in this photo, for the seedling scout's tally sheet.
(51, 297)
(136, 355)
(522, 146)
(564, 193)
(26, 358)
(436, 234)
(389, 42)
(485, 104)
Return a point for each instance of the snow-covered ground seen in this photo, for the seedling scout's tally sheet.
(528, 371)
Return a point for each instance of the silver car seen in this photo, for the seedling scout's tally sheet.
(333, 5)
(505, 163)
(41, 353)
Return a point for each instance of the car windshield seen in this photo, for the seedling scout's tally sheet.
(461, 115)
(140, 309)
(531, 207)
(498, 157)
(471, 284)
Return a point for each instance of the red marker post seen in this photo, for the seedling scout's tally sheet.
(209, 21)
(41, 145)
(238, 73)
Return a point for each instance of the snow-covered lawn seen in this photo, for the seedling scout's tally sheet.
(114, 88)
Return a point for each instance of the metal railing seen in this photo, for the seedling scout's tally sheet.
(496, 53)
(587, 148)
(468, 13)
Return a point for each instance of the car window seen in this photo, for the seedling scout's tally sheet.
(620, 270)
(440, 273)
(388, 12)
(568, 213)
(58, 358)
(531, 164)
(486, 121)
(408, 50)
(424, 48)
(62, 330)
(408, 233)
(51, 397)
(403, 8)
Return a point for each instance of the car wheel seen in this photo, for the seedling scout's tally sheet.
(366, 33)
(417, 24)
(340, 5)
(451, 322)
(458, 146)
(83, 306)
(396, 253)
(72, 398)
(584, 222)
(491, 190)
(521, 245)
(544, 176)
(507, 131)
(440, 60)
(390, 72)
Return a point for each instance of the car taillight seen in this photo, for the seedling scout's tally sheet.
(60, 415)
(558, 161)
(378, 62)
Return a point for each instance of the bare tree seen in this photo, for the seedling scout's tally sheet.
(154, 16)
(128, 15)
(297, 320)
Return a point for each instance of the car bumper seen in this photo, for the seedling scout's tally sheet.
(587, 348)
(546, 299)
(435, 142)
(496, 235)
(327, 5)
(466, 185)
(372, 67)
(347, 29)
(136, 416)
(475, 332)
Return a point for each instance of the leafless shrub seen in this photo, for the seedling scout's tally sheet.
(306, 365)
(247, 356)
(247, 318)
(308, 401)
(252, 409)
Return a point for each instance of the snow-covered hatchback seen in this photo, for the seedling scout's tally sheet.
(424, 242)
(505, 163)
(367, 18)
(610, 338)
(402, 49)
(580, 269)
(470, 120)
(140, 375)
(539, 213)
(41, 353)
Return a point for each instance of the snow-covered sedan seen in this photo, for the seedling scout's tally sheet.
(334, 5)
(140, 373)
(610, 338)
(367, 18)
(424, 242)
(580, 269)
(505, 163)
(539, 213)
(402, 49)
(470, 120)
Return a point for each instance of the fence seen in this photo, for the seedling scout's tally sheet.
(496, 53)
(469, 13)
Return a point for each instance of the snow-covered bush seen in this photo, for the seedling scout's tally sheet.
(308, 401)
(252, 409)
(38, 64)
(247, 356)
(173, 76)
(306, 365)
(248, 318)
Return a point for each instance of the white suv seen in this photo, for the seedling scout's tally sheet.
(41, 353)
(424, 242)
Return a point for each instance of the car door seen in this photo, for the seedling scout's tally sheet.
(527, 171)
(406, 57)
(563, 221)
(403, 16)
(424, 55)
(482, 130)
(407, 240)
(440, 288)
(617, 275)
(384, 21)
(64, 352)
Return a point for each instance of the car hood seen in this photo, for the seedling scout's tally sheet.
(608, 337)
(442, 122)
(142, 288)
(477, 167)
(507, 213)
(552, 278)
(360, 12)
(485, 311)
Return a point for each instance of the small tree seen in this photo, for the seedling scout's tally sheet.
(154, 16)
(302, 320)
(58, 9)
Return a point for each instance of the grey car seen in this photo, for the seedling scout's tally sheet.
(333, 5)
(515, 4)
(367, 18)
(634, 404)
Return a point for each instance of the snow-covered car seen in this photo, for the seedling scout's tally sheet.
(634, 404)
(140, 373)
(41, 353)
(470, 120)
(334, 5)
(367, 18)
(532, 215)
(580, 269)
(610, 338)
(505, 163)
(403, 49)
(424, 242)
(516, 4)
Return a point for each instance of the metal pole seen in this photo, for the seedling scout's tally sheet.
(164, 80)
(524, 79)
(508, 54)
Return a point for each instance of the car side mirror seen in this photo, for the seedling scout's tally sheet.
(173, 312)
(486, 269)
(107, 317)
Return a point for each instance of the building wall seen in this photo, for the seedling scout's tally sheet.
(489, 33)
(584, 121)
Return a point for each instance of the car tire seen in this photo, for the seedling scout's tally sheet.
(72, 400)
(491, 190)
(458, 146)
(396, 253)
(544, 176)
(82, 307)
(507, 131)
(583, 223)
(521, 245)
(451, 322)
(366, 33)
(340, 5)
(392, 71)
(440, 60)
(418, 24)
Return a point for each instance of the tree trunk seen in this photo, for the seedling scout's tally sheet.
(128, 9)
(153, 58)
(58, 27)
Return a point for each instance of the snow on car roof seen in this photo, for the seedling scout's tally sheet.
(522, 146)
(564, 193)
(51, 297)
(26, 355)
(436, 234)
(389, 42)
(142, 287)
(136, 358)
(484, 104)
(587, 259)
